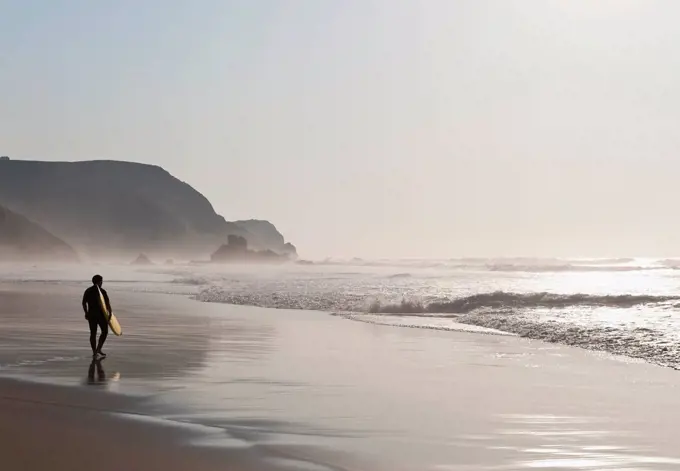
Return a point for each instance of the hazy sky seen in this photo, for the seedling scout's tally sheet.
(371, 128)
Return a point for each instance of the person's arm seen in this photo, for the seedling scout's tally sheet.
(108, 303)
(85, 303)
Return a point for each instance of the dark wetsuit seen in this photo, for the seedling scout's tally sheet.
(95, 315)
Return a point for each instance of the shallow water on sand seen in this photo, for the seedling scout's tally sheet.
(314, 391)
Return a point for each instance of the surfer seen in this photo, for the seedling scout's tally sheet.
(95, 315)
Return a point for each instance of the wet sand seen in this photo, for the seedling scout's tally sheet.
(47, 427)
(204, 385)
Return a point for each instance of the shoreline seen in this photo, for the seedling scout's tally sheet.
(644, 332)
(567, 335)
(256, 387)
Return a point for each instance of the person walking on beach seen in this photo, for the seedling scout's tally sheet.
(95, 315)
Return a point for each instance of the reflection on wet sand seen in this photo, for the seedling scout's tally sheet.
(96, 374)
(574, 443)
(44, 333)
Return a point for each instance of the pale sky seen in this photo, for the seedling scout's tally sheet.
(392, 128)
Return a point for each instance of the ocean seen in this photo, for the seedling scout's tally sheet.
(625, 306)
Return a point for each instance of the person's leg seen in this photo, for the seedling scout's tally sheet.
(93, 334)
(104, 326)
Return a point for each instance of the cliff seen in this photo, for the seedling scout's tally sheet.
(122, 208)
(21, 239)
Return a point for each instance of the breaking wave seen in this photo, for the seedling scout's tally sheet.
(571, 268)
(192, 281)
(492, 301)
(501, 300)
(325, 301)
(636, 325)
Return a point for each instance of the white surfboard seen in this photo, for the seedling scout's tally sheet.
(111, 319)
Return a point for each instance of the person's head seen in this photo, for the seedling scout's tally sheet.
(97, 280)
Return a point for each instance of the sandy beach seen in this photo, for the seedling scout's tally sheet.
(207, 386)
(51, 427)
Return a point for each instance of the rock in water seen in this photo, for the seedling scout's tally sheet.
(142, 260)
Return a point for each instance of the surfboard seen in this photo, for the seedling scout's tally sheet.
(113, 322)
